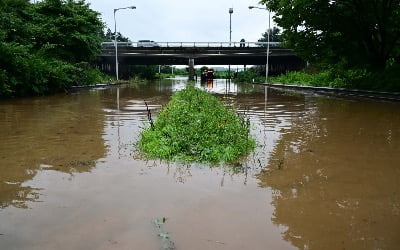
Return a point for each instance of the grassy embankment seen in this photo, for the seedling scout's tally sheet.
(196, 127)
(387, 80)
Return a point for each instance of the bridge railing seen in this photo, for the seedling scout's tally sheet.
(194, 44)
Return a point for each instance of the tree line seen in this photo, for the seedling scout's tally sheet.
(363, 33)
(48, 46)
(351, 38)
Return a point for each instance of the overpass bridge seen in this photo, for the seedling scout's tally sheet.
(197, 53)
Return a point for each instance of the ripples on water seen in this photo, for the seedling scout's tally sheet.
(325, 174)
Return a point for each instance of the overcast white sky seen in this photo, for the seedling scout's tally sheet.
(184, 20)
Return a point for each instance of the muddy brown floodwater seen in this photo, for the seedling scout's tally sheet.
(325, 174)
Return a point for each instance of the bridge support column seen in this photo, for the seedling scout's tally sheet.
(191, 69)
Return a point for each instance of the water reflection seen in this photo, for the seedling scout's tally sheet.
(335, 176)
(60, 133)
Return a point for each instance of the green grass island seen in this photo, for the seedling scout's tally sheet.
(196, 127)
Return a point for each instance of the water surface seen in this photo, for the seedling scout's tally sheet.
(325, 174)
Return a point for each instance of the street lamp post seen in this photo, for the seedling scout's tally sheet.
(230, 36)
(115, 38)
(268, 35)
(230, 25)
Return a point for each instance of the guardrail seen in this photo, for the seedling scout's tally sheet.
(193, 44)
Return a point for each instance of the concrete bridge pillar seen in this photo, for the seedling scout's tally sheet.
(191, 69)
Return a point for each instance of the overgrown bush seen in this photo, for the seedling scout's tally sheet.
(387, 80)
(47, 46)
(148, 72)
(250, 76)
(196, 126)
(28, 74)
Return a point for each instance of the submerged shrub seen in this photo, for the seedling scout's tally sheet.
(196, 126)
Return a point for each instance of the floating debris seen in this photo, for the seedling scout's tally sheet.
(166, 242)
(160, 221)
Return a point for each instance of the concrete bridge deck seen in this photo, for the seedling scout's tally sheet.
(202, 55)
(178, 53)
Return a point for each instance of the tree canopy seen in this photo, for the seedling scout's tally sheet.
(274, 35)
(47, 46)
(71, 27)
(110, 36)
(359, 33)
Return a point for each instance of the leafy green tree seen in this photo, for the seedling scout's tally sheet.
(203, 68)
(15, 36)
(360, 33)
(68, 29)
(47, 47)
(180, 71)
(109, 36)
(251, 75)
(275, 35)
(14, 15)
(144, 71)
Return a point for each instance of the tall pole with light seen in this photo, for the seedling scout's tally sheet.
(230, 25)
(268, 36)
(115, 38)
(230, 36)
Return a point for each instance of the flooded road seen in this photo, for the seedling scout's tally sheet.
(325, 174)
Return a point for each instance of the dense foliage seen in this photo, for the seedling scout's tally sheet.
(363, 33)
(109, 36)
(47, 46)
(148, 72)
(251, 75)
(354, 43)
(196, 126)
(387, 80)
(274, 35)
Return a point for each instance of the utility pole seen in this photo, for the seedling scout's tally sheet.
(268, 34)
(230, 25)
(230, 36)
(115, 39)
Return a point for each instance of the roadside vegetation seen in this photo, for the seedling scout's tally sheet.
(151, 72)
(47, 46)
(251, 75)
(387, 80)
(196, 127)
(353, 44)
(170, 72)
